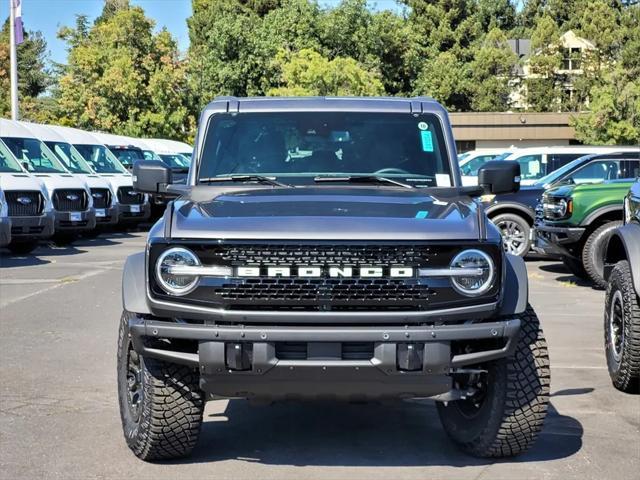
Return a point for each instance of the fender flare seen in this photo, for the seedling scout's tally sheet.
(588, 220)
(515, 293)
(627, 237)
(495, 209)
(134, 285)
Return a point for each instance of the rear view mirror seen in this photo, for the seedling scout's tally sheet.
(501, 176)
(151, 176)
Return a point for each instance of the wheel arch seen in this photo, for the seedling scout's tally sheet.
(515, 295)
(624, 245)
(602, 215)
(134, 284)
(512, 208)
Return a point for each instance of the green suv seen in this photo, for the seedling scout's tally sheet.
(575, 221)
(622, 301)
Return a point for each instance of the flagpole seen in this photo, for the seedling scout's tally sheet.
(14, 61)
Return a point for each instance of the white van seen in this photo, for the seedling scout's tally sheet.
(470, 162)
(122, 148)
(132, 206)
(104, 196)
(27, 211)
(71, 196)
(538, 162)
(174, 146)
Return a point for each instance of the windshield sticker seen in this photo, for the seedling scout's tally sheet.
(422, 214)
(443, 180)
(427, 141)
(423, 126)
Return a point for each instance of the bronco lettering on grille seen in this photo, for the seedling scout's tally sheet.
(331, 272)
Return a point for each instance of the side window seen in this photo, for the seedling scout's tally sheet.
(601, 170)
(531, 167)
(557, 160)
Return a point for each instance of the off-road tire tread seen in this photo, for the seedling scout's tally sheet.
(627, 377)
(589, 253)
(527, 397)
(172, 411)
(576, 268)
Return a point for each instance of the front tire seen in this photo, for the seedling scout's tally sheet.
(161, 403)
(593, 252)
(622, 330)
(22, 248)
(508, 416)
(515, 232)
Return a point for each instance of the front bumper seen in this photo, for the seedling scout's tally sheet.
(551, 240)
(107, 217)
(75, 221)
(32, 228)
(325, 374)
(5, 231)
(134, 213)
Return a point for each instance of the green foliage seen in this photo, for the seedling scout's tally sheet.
(33, 76)
(492, 73)
(123, 78)
(306, 73)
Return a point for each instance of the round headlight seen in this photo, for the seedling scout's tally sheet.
(173, 283)
(481, 280)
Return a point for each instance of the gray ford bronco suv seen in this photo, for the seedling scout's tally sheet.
(325, 248)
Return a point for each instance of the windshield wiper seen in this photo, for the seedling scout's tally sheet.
(246, 178)
(363, 179)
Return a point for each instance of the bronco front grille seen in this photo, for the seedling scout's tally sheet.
(70, 200)
(326, 292)
(101, 197)
(24, 203)
(128, 196)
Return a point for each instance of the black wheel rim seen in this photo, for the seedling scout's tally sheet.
(134, 383)
(616, 325)
(513, 237)
(471, 406)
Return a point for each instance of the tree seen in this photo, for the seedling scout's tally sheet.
(543, 88)
(446, 79)
(492, 71)
(307, 73)
(33, 75)
(123, 78)
(614, 116)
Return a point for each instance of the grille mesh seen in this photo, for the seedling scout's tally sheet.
(23, 208)
(70, 200)
(101, 197)
(128, 196)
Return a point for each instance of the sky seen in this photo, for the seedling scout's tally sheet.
(48, 16)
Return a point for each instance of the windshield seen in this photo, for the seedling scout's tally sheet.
(556, 174)
(470, 166)
(127, 156)
(149, 155)
(462, 156)
(187, 155)
(37, 155)
(303, 145)
(7, 161)
(69, 156)
(100, 158)
(175, 160)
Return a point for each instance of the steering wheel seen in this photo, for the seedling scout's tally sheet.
(390, 170)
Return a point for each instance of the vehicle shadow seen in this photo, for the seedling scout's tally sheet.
(11, 260)
(559, 268)
(338, 434)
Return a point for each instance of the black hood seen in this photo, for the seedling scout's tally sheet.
(323, 213)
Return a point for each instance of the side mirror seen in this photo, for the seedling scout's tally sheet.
(499, 176)
(151, 176)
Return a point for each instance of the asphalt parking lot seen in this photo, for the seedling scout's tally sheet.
(59, 418)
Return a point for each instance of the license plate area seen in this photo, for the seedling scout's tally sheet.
(75, 216)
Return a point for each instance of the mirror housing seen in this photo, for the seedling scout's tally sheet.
(499, 176)
(151, 176)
